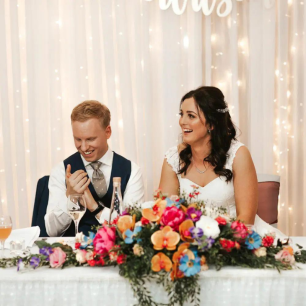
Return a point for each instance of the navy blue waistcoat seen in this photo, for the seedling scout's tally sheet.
(121, 167)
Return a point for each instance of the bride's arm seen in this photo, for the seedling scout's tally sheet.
(169, 182)
(245, 186)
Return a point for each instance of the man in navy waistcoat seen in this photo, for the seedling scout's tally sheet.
(90, 171)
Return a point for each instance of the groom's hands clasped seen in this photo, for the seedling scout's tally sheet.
(76, 182)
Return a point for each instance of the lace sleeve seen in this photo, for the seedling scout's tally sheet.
(232, 153)
(173, 159)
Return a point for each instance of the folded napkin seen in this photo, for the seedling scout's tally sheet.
(29, 235)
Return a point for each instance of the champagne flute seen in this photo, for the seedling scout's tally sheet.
(5, 230)
(76, 207)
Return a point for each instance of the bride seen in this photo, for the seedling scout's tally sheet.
(211, 159)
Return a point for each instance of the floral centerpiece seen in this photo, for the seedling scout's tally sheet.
(170, 243)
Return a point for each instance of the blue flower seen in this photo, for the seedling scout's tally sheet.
(190, 267)
(174, 203)
(88, 240)
(130, 235)
(253, 241)
(46, 251)
(34, 262)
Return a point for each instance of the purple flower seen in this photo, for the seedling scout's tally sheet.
(34, 262)
(193, 214)
(205, 244)
(125, 212)
(20, 265)
(47, 251)
(196, 232)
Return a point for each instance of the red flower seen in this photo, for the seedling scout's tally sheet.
(77, 245)
(114, 222)
(221, 220)
(172, 217)
(267, 241)
(196, 193)
(121, 259)
(91, 262)
(144, 221)
(191, 195)
(227, 245)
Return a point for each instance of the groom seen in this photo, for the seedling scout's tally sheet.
(90, 171)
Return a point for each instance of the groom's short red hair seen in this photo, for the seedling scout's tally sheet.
(91, 109)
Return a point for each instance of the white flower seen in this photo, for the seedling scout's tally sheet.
(79, 238)
(209, 226)
(81, 256)
(260, 252)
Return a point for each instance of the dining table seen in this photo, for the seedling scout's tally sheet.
(89, 286)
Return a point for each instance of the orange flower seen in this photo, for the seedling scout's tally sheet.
(289, 249)
(160, 261)
(176, 272)
(154, 214)
(165, 238)
(184, 230)
(126, 222)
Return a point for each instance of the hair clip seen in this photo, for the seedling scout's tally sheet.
(223, 110)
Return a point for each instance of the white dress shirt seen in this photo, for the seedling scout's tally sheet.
(57, 219)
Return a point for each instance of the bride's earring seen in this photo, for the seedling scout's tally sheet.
(209, 131)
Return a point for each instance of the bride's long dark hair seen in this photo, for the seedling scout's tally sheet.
(208, 100)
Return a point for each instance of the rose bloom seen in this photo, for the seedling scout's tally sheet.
(209, 226)
(77, 245)
(241, 231)
(286, 256)
(81, 256)
(267, 241)
(261, 252)
(221, 220)
(121, 259)
(57, 258)
(138, 250)
(227, 245)
(104, 240)
(173, 217)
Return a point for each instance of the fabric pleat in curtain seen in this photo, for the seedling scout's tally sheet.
(139, 61)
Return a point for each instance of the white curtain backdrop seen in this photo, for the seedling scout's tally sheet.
(139, 61)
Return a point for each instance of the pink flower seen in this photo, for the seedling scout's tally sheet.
(173, 217)
(57, 258)
(104, 240)
(241, 231)
(286, 256)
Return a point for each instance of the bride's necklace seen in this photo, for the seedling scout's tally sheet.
(198, 170)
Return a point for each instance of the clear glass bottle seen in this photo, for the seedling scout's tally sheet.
(117, 203)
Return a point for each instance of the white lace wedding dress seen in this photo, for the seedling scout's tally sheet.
(218, 192)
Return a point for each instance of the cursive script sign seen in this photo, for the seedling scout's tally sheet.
(223, 7)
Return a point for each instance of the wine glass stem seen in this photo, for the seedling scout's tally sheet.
(76, 223)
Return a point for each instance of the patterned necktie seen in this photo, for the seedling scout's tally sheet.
(98, 179)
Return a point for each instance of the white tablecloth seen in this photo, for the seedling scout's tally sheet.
(103, 286)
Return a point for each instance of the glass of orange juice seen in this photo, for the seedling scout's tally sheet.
(5, 230)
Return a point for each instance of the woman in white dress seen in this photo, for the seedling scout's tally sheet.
(212, 159)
